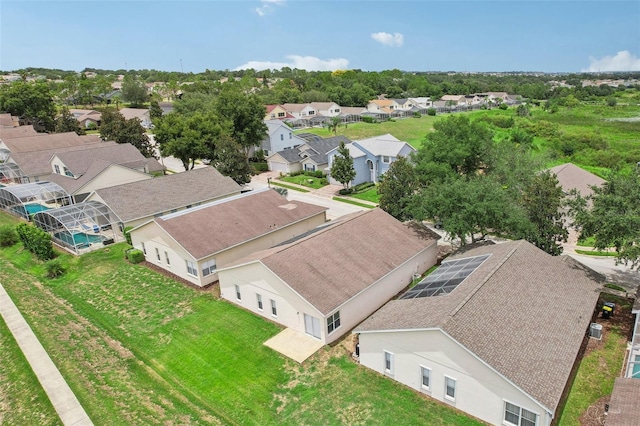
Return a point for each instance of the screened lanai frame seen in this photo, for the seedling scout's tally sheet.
(10, 173)
(26, 199)
(4, 154)
(81, 227)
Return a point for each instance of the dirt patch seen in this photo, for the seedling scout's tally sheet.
(622, 320)
(594, 415)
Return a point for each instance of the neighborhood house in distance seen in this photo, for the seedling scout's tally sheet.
(495, 331)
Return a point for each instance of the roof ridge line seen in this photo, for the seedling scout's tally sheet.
(486, 278)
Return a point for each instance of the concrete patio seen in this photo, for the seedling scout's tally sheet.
(294, 345)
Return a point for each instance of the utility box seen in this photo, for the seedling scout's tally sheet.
(608, 309)
(595, 331)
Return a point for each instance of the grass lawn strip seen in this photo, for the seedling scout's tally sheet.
(355, 203)
(23, 401)
(295, 188)
(304, 180)
(596, 253)
(370, 195)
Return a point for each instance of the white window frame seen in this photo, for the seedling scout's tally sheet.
(331, 322)
(281, 136)
(259, 301)
(144, 249)
(209, 267)
(424, 369)
(274, 308)
(388, 362)
(57, 168)
(158, 255)
(388, 159)
(166, 256)
(238, 294)
(446, 387)
(519, 415)
(192, 268)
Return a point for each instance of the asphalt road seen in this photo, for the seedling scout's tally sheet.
(621, 275)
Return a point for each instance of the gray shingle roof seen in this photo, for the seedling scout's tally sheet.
(624, 407)
(78, 161)
(323, 146)
(164, 193)
(331, 266)
(42, 141)
(522, 310)
(72, 185)
(571, 177)
(17, 132)
(209, 230)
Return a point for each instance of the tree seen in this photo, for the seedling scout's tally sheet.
(342, 168)
(32, 102)
(134, 91)
(397, 188)
(66, 122)
(543, 201)
(155, 111)
(114, 127)
(614, 217)
(231, 161)
(522, 111)
(333, 124)
(245, 113)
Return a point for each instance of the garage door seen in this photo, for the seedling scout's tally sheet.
(278, 167)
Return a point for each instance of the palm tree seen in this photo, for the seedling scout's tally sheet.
(334, 123)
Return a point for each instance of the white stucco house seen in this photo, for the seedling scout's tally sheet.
(327, 282)
(495, 331)
(280, 137)
(372, 157)
(195, 242)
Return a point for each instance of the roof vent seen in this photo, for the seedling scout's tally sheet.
(595, 331)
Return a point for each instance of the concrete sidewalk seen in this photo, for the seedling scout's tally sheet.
(62, 398)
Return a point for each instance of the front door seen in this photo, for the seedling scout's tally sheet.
(312, 326)
(372, 171)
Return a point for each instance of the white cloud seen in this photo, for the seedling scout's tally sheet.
(309, 63)
(267, 6)
(623, 61)
(388, 39)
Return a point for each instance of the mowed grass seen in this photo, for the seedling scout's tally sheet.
(304, 180)
(22, 399)
(368, 195)
(139, 348)
(596, 375)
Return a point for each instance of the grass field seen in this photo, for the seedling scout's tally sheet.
(304, 180)
(368, 195)
(138, 348)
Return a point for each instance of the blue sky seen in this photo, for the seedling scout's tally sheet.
(418, 35)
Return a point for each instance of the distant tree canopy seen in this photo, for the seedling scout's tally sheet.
(66, 122)
(32, 102)
(134, 91)
(115, 128)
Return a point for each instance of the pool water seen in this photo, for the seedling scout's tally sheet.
(79, 239)
(35, 208)
(636, 368)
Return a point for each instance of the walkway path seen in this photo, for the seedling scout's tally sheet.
(62, 398)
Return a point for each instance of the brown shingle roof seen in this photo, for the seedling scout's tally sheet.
(522, 310)
(230, 222)
(331, 266)
(6, 120)
(159, 195)
(17, 132)
(96, 168)
(43, 141)
(129, 113)
(571, 177)
(624, 407)
(78, 161)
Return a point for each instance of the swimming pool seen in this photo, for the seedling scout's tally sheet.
(35, 208)
(79, 239)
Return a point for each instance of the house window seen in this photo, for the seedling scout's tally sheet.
(290, 136)
(519, 416)
(274, 308)
(281, 137)
(238, 295)
(281, 114)
(336, 110)
(388, 362)
(166, 256)
(259, 300)
(68, 172)
(57, 168)
(157, 254)
(144, 249)
(312, 112)
(333, 322)
(191, 268)
(208, 267)
(450, 388)
(386, 159)
(426, 378)
(265, 152)
(273, 116)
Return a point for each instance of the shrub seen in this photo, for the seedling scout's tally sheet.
(127, 235)
(363, 186)
(612, 102)
(501, 121)
(298, 173)
(260, 167)
(36, 241)
(522, 111)
(345, 191)
(8, 236)
(92, 126)
(368, 119)
(317, 174)
(504, 107)
(416, 115)
(431, 111)
(54, 268)
(135, 256)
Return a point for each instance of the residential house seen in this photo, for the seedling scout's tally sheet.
(386, 106)
(624, 409)
(472, 99)
(496, 331)
(454, 100)
(298, 111)
(327, 109)
(571, 177)
(276, 112)
(421, 102)
(404, 104)
(326, 282)
(280, 137)
(195, 242)
(141, 114)
(8, 121)
(310, 156)
(87, 117)
(372, 157)
(138, 202)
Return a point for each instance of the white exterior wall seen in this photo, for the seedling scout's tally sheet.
(256, 278)
(281, 139)
(113, 176)
(55, 161)
(480, 391)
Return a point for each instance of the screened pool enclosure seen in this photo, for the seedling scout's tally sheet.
(80, 227)
(26, 199)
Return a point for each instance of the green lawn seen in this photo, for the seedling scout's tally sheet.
(368, 195)
(22, 399)
(139, 348)
(304, 180)
(355, 203)
(293, 188)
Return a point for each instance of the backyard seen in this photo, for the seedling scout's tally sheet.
(139, 348)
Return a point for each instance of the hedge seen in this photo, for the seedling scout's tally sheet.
(135, 256)
(126, 233)
(36, 241)
(8, 235)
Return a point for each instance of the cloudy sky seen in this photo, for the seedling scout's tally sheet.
(411, 35)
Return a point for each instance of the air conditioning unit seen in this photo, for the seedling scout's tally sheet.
(595, 331)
